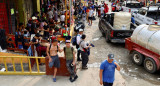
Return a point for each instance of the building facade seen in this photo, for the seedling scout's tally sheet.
(13, 12)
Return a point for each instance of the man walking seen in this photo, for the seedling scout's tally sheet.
(107, 71)
(52, 53)
(69, 55)
(90, 16)
(102, 10)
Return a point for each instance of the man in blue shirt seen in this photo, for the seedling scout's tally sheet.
(107, 71)
(84, 8)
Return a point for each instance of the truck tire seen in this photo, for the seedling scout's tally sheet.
(107, 38)
(150, 65)
(137, 58)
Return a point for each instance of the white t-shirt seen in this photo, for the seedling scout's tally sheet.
(84, 16)
(83, 44)
(102, 10)
(90, 13)
(50, 14)
(62, 17)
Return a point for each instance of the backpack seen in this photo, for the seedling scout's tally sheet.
(74, 40)
(65, 49)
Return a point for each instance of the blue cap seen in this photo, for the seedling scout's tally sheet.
(111, 56)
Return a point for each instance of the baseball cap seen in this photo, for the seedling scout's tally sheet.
(34, 18)
(68, 41)
(111, 56)
(80, 30)
(55, 40)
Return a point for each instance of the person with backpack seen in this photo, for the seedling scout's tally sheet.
(84, 53)
(78, 39)
(69, 55)
(52, 53)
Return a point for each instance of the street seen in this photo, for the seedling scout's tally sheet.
(134, 75)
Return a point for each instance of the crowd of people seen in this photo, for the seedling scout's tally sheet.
(88, 12)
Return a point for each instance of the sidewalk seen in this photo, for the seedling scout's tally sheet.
(88, 77)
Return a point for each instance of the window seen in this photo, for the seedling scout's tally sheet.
(107, 17)
(123, 4)
(153, 15)
(133, 5)
(142, 11)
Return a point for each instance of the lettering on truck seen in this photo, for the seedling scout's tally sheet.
(124, 34)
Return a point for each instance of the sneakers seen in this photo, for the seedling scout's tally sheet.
(79, 60)
(54, 79)
(85, 67)
(72, 80)
(75, 77)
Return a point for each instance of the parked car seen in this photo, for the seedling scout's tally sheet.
(144, 47)
(148, 15)
(131, 6)
(116, 26)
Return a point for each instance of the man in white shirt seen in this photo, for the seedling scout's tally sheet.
(84, 54)
(102, 11)
(50, 14)
(62, 19)
(90, 16)
(78, 39)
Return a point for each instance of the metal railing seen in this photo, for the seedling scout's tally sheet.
(20, 60)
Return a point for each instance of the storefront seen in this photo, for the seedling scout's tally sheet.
(13, 12)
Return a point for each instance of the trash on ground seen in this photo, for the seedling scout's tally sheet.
(3, 69)
(96, 39)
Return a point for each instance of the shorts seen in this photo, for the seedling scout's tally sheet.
(90, 18)
(55, 62)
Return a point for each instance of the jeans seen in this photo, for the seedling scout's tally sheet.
(78, 54)
(70, 68)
